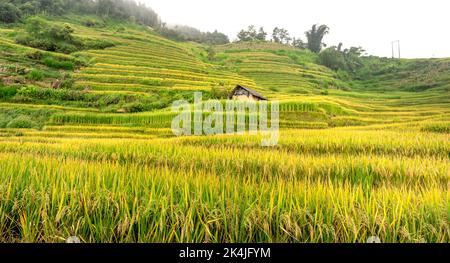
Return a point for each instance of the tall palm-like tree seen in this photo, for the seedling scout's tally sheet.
(315, 36)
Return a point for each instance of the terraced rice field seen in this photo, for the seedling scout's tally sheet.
(352, 163)
(118, 184)
(156, 62)
(279, 72)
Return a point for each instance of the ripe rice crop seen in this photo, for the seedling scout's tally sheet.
(316, 186)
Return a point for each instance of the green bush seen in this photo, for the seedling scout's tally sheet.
(22, 122)
(58, 38)
(53, 63)
(30, 93)
(35, 75)
(120, 29)
(21, 99)
(332, 59)
(21, 117)
(157, 105)
(134, 107)
(219, 92)
(41, 43)
(51, 37)
(97, 44)
(54, 94)
(110, 99)
(66, 48)
(4, 120)
(420, 87)
(34, 55)
(343, 75)
(67, 83)
(90, 22)
(152, 82)
(7, 92)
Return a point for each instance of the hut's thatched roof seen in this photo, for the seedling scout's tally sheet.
(254, 93)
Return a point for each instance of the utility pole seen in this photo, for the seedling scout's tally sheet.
(392, 45)
(398, 46)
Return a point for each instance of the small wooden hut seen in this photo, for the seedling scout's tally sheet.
(244, 93)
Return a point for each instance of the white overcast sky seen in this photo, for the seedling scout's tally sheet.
(422, 26)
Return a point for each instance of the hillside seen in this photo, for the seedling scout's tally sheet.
(86, 147)
(144, 71)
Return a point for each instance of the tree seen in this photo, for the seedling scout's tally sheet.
(332, 58)
(61, 32)
(215, 38)
(284, 36)
(49, 36)
(315, 36)
(170, 33)
(275, 35)
(250, 34)
(104, 7)
(211, 53)
(280, 35)
(352, 58)
(29, 8)
(35, 26)
(298, 43)
(120, 9)
(9, 13)
(187, 33)
(261, 34)
(348, 59)
(243, 36)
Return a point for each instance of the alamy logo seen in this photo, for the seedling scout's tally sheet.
(230, 117)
